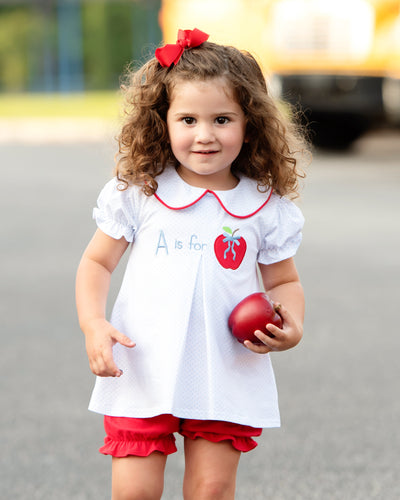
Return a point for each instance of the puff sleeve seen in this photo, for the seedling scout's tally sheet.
(114, 213)
(284, 235)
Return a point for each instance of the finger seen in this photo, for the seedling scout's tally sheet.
(275, 331)
(273, 343)
(259, 349)
(111, 369)
(106, 367)
(265, 339)
(123, 340)
(102, 370)
(283, 312)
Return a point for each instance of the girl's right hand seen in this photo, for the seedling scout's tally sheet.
(101, 336)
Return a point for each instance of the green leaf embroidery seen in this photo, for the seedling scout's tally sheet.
(227, 230)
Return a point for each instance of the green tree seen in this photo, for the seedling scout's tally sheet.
(14, 36)
(114, 34)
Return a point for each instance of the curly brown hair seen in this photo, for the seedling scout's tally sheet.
(274, 143)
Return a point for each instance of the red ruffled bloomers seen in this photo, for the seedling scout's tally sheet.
(142, 436)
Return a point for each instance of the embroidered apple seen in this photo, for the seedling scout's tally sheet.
(251, 314)
(230, 249)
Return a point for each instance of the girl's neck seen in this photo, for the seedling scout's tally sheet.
(216, 183)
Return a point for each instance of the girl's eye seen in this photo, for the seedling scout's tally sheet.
(188, 120)
(222, 120)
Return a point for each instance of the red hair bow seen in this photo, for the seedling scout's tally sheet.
(171, 53)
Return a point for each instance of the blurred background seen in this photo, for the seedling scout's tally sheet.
(338, 61)
(72, 45)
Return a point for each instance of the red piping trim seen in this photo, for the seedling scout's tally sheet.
(219, 201)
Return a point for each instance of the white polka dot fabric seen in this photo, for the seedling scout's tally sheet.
(193, 258)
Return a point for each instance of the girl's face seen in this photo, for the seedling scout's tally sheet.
(206, 128)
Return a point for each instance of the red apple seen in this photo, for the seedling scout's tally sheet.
(230, 249)
(251, 314)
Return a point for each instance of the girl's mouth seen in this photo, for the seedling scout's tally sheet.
(208, 152)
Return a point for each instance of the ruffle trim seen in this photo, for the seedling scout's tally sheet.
(166, 445)
(113, 228)
(243, 444)
(138, 448)
(272, 255)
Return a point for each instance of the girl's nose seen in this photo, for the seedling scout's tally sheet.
(204, 133)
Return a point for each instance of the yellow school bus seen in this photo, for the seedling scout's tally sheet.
(339, 60)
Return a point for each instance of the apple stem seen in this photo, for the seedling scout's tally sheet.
(235, 231)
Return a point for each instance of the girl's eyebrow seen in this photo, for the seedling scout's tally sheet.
(222, 113)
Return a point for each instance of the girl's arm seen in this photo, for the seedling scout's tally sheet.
(282, 284)
(92, 285)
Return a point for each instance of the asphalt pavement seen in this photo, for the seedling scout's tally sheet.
(339, 389)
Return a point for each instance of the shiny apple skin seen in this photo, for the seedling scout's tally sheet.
(253, 313)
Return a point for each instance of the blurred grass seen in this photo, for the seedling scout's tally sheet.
(104, 105)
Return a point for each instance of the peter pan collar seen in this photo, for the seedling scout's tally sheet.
(241, 202)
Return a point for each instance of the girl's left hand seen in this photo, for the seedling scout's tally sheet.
(285, 338)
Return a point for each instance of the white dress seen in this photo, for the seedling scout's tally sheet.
(193, 258)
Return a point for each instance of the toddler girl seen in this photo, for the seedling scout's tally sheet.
(205, 163)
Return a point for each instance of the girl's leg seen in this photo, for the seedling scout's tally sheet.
(139, 478)
(210, 471)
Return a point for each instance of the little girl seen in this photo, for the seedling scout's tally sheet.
(205, 162)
